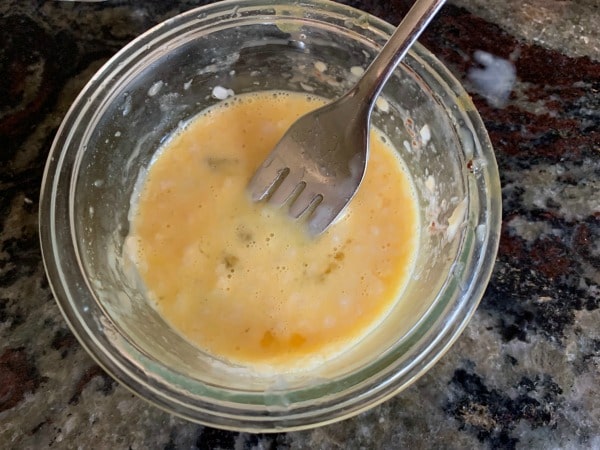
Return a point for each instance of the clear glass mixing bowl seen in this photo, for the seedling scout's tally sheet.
(167, 76)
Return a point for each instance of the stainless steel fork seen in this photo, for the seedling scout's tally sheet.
(320, 162)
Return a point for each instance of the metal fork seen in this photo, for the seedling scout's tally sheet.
(320, 162)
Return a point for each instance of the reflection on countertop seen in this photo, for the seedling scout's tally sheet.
(525, 372)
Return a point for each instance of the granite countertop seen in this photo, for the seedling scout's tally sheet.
(524, 374)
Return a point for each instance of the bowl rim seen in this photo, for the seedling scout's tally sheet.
(132, 374)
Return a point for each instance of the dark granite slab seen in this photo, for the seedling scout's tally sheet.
(525, 372)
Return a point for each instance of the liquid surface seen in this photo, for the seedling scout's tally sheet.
(244, 282)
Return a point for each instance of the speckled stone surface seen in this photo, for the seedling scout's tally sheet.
(524, 374)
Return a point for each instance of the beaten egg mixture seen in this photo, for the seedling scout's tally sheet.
(243, 281)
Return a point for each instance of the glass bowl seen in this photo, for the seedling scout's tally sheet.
(168, 75)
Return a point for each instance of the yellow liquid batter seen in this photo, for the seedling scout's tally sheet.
(244, 282)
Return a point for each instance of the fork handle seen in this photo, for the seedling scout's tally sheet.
(379, 71)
